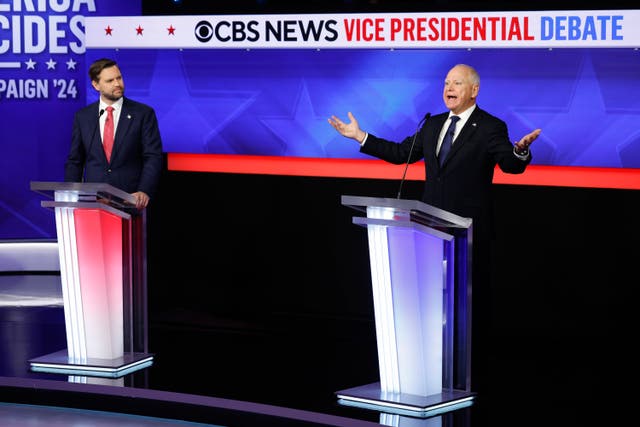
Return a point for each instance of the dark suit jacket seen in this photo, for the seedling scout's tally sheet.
(136, 159)
(463, 184)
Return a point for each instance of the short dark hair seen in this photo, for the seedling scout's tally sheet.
(97, 66)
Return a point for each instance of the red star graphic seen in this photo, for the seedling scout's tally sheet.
(139, 30)
(108, 30)
(171, 30)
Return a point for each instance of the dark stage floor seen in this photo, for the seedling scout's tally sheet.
(293, 367)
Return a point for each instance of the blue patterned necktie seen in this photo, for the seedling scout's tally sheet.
(448, 139)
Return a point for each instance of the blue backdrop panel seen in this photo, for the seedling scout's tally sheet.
(43, 74)
(275, 102)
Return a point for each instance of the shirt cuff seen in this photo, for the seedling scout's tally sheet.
(524, 155)
(366, 135)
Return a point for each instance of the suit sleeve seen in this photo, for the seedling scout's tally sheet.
(501, 148)
(394, 152)
(74, 165)
(151, 154)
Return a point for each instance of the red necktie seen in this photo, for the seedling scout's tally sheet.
(107, 137)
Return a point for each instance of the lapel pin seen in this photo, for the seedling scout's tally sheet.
(473, 124)
(129, 117)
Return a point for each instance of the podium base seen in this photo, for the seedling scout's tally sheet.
(58, 363)
(370, 396)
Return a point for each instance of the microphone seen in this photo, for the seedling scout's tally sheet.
(93, 136)
(420, 124)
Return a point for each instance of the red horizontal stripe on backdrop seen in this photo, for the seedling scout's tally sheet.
(560, 176)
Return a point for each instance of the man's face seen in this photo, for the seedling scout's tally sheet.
(110, 84)
(459, 91)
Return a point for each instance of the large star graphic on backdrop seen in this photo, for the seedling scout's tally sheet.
(207, 111)
(583, 133)
(398, 97)
(303, 133)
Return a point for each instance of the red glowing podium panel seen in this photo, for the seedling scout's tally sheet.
(102, 250)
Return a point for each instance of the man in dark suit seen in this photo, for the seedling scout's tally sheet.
(459, 181)
(134, 163)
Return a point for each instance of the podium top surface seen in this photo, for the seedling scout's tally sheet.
(86, 191)
(413, 210)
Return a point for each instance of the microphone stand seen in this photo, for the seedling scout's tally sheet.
(413, 142)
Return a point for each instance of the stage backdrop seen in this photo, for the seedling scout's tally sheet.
(252, 94)
(43, 74)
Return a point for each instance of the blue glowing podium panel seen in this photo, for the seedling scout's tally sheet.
(420, 260)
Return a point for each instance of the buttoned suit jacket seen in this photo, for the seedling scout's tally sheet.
(463, 184)
(136, 158)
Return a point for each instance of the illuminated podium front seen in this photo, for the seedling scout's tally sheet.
(420, 258)
(102, 250)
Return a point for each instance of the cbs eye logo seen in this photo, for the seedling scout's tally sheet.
(203, 31)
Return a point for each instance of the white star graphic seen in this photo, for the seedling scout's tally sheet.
(31, 64)
(71, 64)
(51, 64)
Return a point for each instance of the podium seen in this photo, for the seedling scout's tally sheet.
(420, 259)
(102, 251)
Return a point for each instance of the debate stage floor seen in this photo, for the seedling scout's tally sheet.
(231, 372)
